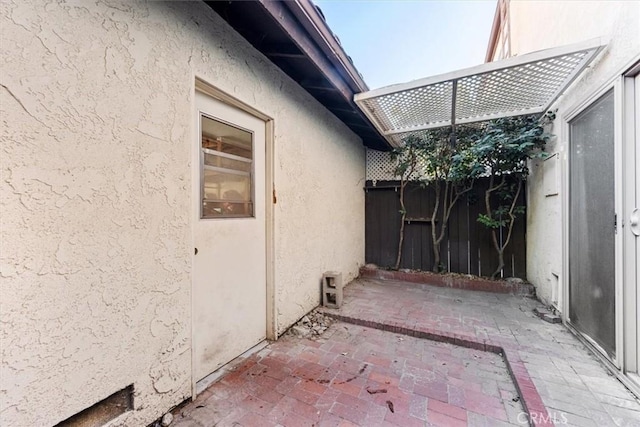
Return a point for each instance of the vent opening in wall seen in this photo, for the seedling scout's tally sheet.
(104, 411)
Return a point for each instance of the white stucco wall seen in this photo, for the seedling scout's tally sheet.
(319, 216)
(539, 25)
(96, 105)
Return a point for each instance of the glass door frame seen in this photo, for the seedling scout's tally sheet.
(616, 86)
(631, 100)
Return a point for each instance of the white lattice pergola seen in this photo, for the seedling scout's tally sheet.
(527, 84)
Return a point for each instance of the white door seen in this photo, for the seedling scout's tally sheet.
(229, 269)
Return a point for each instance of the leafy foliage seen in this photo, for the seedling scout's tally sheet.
(502, 153)
(450, 160)
(438, 159)
(505, 145)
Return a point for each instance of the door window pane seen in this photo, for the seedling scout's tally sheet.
(227, 166)
(212, 158)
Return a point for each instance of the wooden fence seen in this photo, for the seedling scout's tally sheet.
(466, 248)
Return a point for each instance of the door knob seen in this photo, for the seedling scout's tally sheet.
(634, 222)
(196, 251)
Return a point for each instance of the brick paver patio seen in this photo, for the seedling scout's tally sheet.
(358, 375)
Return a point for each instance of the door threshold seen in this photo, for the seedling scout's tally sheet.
(626, 379)
(204, 383)
(633, 383)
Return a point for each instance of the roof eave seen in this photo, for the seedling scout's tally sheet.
(306, 50)
(317, 27)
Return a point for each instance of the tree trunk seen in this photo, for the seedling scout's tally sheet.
(500, 264)
(450, 198)
(434, 238)
(403, 215)
(404, 180)
(494, 236)
(512, 220)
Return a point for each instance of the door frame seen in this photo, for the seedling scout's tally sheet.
(631, 87)
(200, 85)
(571, 114)
(627, 287)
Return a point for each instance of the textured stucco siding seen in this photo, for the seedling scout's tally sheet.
(319, 213)
(541, 25)
(97, 110)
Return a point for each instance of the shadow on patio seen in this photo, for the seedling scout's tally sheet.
(375, 367)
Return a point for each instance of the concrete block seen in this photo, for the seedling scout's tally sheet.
(332, 289)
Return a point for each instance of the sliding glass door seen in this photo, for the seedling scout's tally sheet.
(592, 223)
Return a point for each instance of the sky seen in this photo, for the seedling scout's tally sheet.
(395, 41)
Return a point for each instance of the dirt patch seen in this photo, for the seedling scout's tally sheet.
(312, 325)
